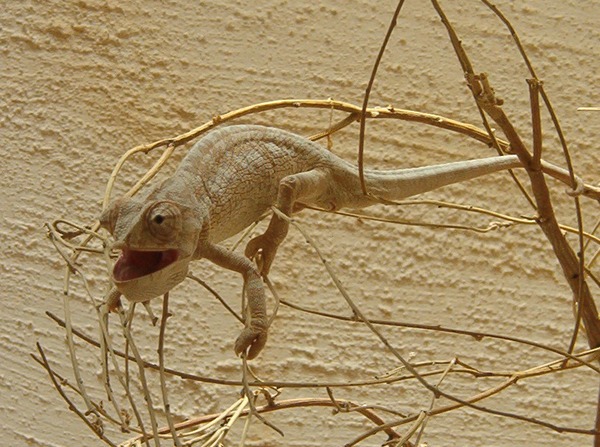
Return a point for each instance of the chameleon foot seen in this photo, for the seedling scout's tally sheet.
(267, 248)
(251, 341)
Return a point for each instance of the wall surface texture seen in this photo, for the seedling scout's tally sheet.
(83, 81)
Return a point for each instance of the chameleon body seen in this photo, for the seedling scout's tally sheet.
(229, 180)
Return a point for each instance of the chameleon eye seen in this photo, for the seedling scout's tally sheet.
(158, 219)
(164, 221)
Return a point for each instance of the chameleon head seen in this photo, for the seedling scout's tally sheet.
(156, 247)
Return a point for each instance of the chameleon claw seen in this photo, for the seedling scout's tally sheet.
(253, 246)
(264, 246)
(250, 341)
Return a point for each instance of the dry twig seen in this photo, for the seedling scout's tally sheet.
(70, 240)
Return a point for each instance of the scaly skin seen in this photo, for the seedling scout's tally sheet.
(228, 180)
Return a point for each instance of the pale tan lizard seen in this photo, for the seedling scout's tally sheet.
(227, 181)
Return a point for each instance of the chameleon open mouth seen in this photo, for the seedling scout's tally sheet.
(134, 264)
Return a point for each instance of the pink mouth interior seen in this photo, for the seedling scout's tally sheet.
(134, 264)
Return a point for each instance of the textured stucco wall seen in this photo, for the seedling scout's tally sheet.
(82, 81)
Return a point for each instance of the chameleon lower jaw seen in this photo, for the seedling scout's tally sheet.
(141, 276)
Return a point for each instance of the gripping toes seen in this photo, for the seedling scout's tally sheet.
(267, 248)
(252, 341)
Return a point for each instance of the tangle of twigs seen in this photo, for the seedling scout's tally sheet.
(146, 425)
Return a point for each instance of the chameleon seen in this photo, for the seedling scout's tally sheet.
(228, 180)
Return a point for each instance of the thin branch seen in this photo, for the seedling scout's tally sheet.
(449, 367)
(571, 265)
(142, 375)
(536, 123)
(433, 389)
(217, 296)
(582, 297)
(492, 226)
(65, 240)
(363, 112)
(288, 405)
(161, 369)
(95, 428)
(547, 368)
(477, 335)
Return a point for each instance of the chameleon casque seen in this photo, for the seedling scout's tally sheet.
(230, 179)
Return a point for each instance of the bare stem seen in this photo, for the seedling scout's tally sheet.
(161, 369)
(363, 112)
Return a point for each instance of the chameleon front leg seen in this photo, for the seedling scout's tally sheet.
(305, 186)
(253, 337)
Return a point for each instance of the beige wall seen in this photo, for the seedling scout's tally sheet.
(84, 81)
